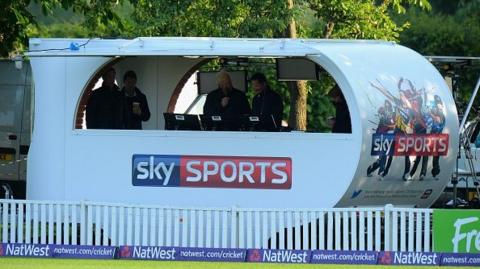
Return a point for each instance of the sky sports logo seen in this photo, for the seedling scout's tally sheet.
(211, 171)
(409, 145)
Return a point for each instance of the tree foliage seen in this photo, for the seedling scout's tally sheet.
(17, 20)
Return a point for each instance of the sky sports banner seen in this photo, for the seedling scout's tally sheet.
(343, 257)
(456, 230)
(57, 251)
(409, 144)
(278, 256)
(408, 258)
(211, 171)
(182, 254)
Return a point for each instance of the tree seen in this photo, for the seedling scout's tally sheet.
(17, 19)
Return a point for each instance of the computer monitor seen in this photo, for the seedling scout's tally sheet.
(182, 121)
(264, 123)
(220, 123)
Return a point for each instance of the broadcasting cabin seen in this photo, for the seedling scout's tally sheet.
(401, 149)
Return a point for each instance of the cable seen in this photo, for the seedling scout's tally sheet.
(73, 46)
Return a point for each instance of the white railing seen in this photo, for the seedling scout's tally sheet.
(90, 223)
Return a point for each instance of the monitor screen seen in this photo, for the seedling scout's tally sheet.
(260, 123)
(182, 121)
(293, 69)
(219, 123)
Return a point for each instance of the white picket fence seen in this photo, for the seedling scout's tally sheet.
(92, 223)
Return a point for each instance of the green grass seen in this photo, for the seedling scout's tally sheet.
(20, 263)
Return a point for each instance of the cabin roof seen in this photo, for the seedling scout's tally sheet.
(185, 46)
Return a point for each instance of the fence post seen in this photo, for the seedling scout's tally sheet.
(387, 229)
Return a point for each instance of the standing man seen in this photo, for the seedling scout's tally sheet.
(266, 104)
(341, 123)
(136, 105)
(227, 102)
(105, 105)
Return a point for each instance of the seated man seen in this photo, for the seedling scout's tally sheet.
(266, 104)
(135, 102)
(227, 102)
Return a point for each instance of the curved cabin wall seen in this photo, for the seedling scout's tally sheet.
(326, 169)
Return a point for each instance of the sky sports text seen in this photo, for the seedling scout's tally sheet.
(409, 144)
(211, 171)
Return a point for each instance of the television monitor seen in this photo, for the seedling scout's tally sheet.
(175, 121)
(219, 123)
(293, 69)
(260, 123)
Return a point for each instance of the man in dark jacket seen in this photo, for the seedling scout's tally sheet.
(266, 104)
(135, 103)
(227, 102)
(105, 105)
(342, 122)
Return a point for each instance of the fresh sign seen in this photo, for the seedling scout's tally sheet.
(456, 231)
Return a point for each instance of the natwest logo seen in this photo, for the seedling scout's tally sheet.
(212, 171)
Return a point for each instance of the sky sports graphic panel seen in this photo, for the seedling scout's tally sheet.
(211, 171)
(409, 144)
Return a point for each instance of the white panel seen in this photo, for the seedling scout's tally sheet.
(74, 224)
(273, 229)
(114, 226)
(185, 222)
(257, 229)
(426, 233)
(58, 222)
(98, 224)
(35, 224)
(378, 231)
(353, 222)
(249, 229)
(136, 226)
(418, 232)
(369, 231)
(217, 229)
(234, 231)
(289, 230)
(241, 229)
(361, 230)
(50, 223)
(130, 218)
(153, 227)
(411, 231)
(121, 226)
(201, 225)
(28, 223)
(106, 226)
(176, 228)
(169, 227)
(161, 227)
(330, 230)
(281, 229)
(20, 221)
(66, 224)
(345, 236)
(13, 222)
(298, 238)
(265, 231)
(403, 231)
(209, 228)
(193, 229)
(338, 232)
(145, 230)
(43, 224)
(225, 229)
(394, 231)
